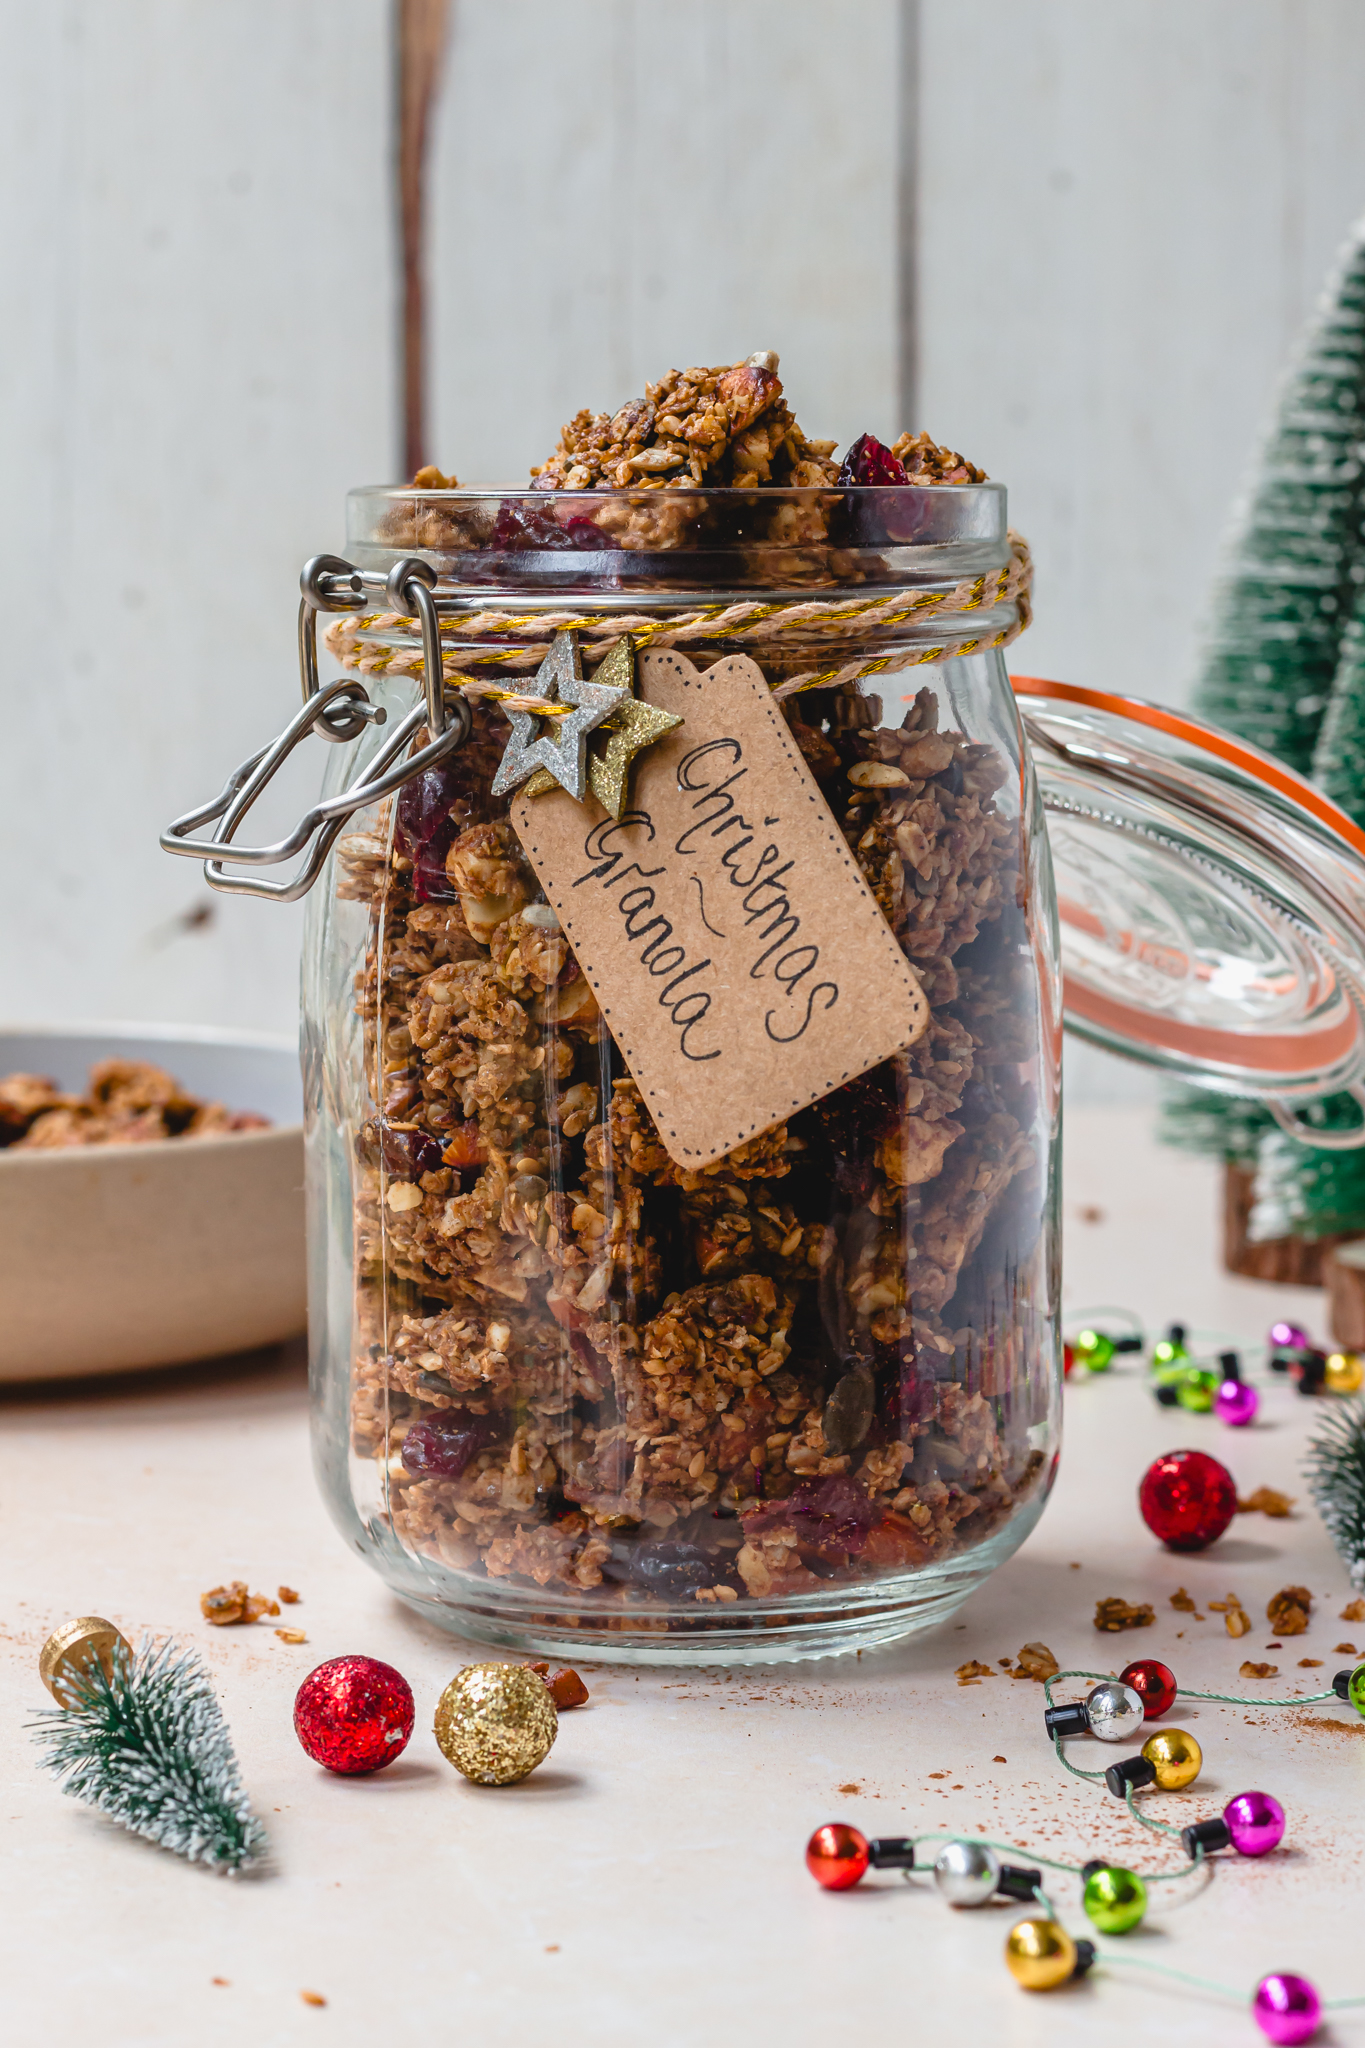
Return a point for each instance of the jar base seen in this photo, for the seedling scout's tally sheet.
(752, 1632)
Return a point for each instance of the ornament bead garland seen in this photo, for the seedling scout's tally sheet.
(1344, 1372)
(966, 1873)
(354, 1715)
(1112, 1710)
(1040, 1954)
(1154, 1683)
(1286, 2008)
(1176, 1758)
(836, 1856)
(1112, 1898)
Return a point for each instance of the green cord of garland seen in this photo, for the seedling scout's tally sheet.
(1048, 1862)
(1159, 1827)
(1227, 1699)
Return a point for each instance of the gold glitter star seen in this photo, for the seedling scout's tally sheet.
(563, 751)
(622, 735)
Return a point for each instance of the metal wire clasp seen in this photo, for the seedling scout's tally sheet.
(336, 711)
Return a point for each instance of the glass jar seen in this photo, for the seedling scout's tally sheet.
(571, 1394)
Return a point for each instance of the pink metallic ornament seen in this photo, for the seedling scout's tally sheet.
(1256, 1823)
(1289, 1337)
(1286, 2008)
(1236, 1403)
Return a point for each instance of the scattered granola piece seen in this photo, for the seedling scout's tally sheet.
(1249, 1670)
(1037, 1662)
(849, 1790)
(1354, 1610)
(1310, 1663)
(1266, 1501)
(1182, 1602)
(220, 1980)
(999, 1759)
(1289, 1609)
(312, 1998)
(287, 1595)
(1114, 1614)
(1236, 1620)
(225, 1605)
(971, 1673)
(1345, 1650)
(291, 1635)
(567, 1689)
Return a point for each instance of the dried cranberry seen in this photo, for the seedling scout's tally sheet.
(585, 533)
(441, 1447)
(829, 1514)
(424, 807)
(671, 1569)
(408, 1154)
(430, 883)
(870, 461)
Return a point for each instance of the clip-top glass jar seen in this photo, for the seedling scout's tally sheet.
(569, 1392)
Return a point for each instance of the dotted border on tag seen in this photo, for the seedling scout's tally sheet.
(793, 755)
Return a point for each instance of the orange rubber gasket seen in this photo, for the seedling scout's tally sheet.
(1207, 738)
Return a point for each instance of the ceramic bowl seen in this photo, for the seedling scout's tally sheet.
(115, 1257)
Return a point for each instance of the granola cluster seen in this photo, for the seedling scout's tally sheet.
(728, 426)
(127, 1102)
(582, 1367)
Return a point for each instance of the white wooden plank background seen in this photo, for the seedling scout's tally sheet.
(1125, 213)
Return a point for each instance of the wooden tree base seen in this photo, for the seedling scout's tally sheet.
(1289, 1261)
(1343, 1274)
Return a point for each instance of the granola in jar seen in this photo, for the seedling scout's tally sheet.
(619, 1393)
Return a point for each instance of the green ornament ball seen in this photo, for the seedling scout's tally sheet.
(1357, 1689)
(1166, 1355)
(1114, 1899)
(1195, 1390)
(1093, 1350)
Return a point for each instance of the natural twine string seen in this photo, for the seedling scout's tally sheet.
(765, 628)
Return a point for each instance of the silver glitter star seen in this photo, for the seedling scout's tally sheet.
(564, 749)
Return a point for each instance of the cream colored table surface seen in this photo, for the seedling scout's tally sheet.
(647, 1885)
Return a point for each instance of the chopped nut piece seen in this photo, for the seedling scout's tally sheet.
(1345, 1650)
(1266, 1501)
(999, 1759)
(1115, 1614)
(288, 1595)
(312, 1998)
(1289, 1609)
(1250, 1670)
(1182, 1602)
(1354, 1610)
(1310, 1663)
(971, 1673)
(567, 1689)
(1037, 1662)
(226, 1605)
(1237, 1622)
(291, 1635)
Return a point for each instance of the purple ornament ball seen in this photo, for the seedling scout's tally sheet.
(1286, 2008)
(1256, 1823)
(1289, 1337)
(1236, 1403)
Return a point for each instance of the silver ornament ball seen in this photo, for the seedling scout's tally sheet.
(966, 1873)
(1115, 1711)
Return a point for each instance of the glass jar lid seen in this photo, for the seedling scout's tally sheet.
(1212, 902)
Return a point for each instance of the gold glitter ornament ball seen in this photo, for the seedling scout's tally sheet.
(1344, 1373)
(496, 1722)
(1177, 1757)
(1039, 1954)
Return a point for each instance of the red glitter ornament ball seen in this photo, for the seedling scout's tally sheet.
(1154, 1685)
(1187, 1499)
(354, 1714)
(836, 1856)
